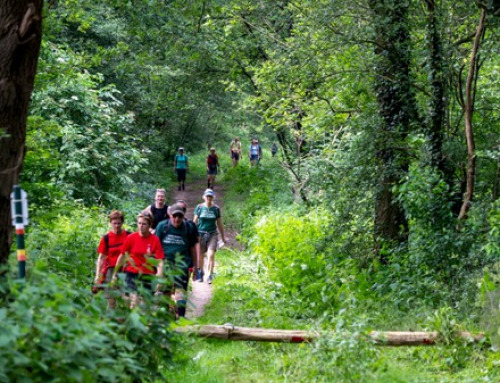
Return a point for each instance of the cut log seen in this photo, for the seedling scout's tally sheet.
(383, 338)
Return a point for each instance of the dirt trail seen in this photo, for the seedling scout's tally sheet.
(201, 292)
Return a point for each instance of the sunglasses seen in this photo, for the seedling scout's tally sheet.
(177, 215)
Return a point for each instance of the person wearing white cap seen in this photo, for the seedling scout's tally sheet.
(208, 218)
(181, 167)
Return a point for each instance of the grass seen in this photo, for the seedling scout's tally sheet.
(242, 297)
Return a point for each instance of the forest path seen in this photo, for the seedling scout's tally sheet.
(201, 292)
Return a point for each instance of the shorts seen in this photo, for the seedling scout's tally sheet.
(181, 274)
(181, 174)
(209, 242)
(235, 155)
(254, 157)
(212, 172)
(135, 281)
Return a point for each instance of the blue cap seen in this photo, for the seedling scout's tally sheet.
(209, 192)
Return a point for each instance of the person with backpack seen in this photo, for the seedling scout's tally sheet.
(142, 255)
(181, 167)
(255, 152)
(208, 218)
(109, 250)
(274, 149)
(178, 239)
(159, 209)
(212, 167)
(194, 266)
(235, 151)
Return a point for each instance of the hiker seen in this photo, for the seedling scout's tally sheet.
(142, 255)
(158, 209)
(194, 267)
(208, 218)
(178, 239)
(274, 149)
(212, 167)
(235, 151)
(255, 152)
(109, 250)
(181, 167)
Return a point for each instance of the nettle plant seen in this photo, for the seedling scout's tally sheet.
(290, 247)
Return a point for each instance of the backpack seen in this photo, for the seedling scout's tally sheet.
(106, 240)
(167, 227)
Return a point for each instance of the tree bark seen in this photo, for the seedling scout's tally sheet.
(397, 110)
(468, 114)
(20, 39)
(438, 89)
(382, 338)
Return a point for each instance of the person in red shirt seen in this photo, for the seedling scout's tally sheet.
(143, 254)
(109, 250)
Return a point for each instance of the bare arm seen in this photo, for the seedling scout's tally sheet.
(159, 268)
(119, 263)
(100, 261)
(220, 226)
(195, 219)
(195, 249)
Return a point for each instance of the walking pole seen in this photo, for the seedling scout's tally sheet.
(19, 211)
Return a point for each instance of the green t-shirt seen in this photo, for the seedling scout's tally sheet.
(181, 161)
(176, 241)
(207, 218)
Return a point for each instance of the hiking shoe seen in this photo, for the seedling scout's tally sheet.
(210, 279)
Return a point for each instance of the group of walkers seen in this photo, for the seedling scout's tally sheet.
(181, 161)
(163, 234)
(254, 151)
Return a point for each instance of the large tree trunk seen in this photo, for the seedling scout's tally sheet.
(437, 111)
(468, 114)
(20, 38)
(397, 110)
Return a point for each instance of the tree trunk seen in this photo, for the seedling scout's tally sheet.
(397, 110)
(438, 89)
(20, 38)
(383, 338)
(468, 114)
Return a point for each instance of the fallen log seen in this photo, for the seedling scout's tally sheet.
(383, 338)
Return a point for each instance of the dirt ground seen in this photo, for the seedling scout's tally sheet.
(201, 292)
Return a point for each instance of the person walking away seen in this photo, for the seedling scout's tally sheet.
(274, 149)
(142, 255)
(178, 240)
(208, 218)
(158, 210)
(212, 168)
(235, 151)
(254, 152)
(181, 167)
(110, 248)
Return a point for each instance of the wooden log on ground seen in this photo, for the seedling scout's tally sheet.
(383, 338)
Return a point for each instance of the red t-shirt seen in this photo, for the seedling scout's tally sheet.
(114, 248)
(137, 246)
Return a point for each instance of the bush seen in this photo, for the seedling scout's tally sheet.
(52, 331)
(290, 249)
